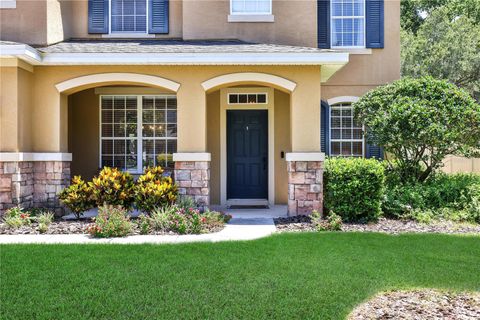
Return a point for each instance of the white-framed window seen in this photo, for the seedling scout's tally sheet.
(138, 131)
(348, 23)
(247, 98)
(128, 16)
(250, 7)
(346, 133)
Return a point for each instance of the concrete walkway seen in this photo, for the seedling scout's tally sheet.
(236, 230)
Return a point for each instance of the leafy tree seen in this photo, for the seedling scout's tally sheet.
(415, 12)
(419, 122)
(444, 48)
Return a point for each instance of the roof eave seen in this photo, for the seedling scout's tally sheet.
(331, 61)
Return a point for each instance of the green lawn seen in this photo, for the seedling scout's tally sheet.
(289, 276)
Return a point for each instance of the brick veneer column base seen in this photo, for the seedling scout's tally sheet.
(193, 180)
(305, 187)
(33, 184)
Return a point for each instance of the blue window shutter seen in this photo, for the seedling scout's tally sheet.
(158, 16)
(323, 21)
(98, 16)
(375, 23)
(374, 151)
(325, 128)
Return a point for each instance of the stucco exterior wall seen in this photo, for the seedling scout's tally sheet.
(50, 118)
(8, 109)
(27, 23)
(15, 109)
(213, 144)
(295, 23)
(367, 71)
(75, 19)
(83, 133)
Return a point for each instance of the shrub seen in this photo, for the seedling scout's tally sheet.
(78, 197)
(16, 217)
(419, 122)
(179, 220)
(143, 223)
(332, 222)
(154, 190)
(354, 188)
(454, 197)
(113, 187)
(111, 221)
(212, 220)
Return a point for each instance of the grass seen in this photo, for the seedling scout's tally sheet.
(287, 276)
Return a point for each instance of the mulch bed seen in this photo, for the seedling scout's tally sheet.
(302, 223)
(420, 304)
(79, 227)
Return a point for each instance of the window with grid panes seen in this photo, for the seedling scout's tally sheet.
(138, 131)
(348, 23)
(346, 133)
(129, 16)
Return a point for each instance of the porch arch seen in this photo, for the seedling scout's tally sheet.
(85, 82)
(249, 78)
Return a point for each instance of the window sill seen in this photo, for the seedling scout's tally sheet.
(251, 18)
(354, 50)
(128, 35)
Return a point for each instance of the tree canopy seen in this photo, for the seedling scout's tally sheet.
(443, 41)
(419, 122)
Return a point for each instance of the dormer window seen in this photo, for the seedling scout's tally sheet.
(128, 16)
(348, 23)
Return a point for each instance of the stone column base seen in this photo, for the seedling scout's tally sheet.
(33, 184)
(192, 175)
(305, 183)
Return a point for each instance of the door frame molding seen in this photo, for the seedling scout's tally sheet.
(269, 106)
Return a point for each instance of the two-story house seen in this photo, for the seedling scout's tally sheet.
(242, 99)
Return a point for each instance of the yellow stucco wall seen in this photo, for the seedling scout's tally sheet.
(15, 109)
(49, 116)
(83, 133)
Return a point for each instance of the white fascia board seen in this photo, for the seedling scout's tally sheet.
(327, 58)
(21, 51)
(34, 57)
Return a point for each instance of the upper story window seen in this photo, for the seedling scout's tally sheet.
(348, 23)
(128, 16)
(251, 6)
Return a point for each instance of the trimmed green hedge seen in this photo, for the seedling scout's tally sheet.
(354, 188)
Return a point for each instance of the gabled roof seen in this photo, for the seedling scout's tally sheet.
(174, 52)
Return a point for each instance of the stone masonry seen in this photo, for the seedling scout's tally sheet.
(193, 180)
(305, 187)
(33, 184)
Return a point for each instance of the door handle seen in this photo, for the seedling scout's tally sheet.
(264, 163)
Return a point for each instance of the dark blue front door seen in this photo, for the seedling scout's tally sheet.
(247, 154)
